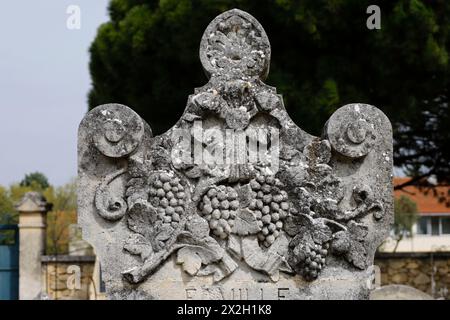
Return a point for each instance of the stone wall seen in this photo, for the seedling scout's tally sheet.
(59, 277)
(428, 272)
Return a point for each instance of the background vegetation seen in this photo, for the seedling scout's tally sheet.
(58, 220)
(405, 216)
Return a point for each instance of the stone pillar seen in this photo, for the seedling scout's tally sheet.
(33, 210)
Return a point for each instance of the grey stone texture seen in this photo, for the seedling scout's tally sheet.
(78, 246)
(398, 292)
(164, 228)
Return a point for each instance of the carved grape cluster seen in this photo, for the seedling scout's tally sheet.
(219, 207)
(270, 206)
(168, 196)
(309, 258)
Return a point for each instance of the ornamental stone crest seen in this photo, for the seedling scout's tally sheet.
(235, 201)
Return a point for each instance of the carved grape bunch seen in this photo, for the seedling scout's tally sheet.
(168, 196)
(270, 207)
(309, 258)
(219, 207)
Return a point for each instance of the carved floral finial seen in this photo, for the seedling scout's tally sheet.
(235, 43)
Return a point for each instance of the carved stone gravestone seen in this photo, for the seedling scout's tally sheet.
(285, 215)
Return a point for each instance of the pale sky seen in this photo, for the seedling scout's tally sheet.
(44, 81)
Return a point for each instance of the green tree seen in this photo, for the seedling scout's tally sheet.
(323, 56)
(8, 198)
(37, 180)
(405, 213)
(7, 211)
(63, 213)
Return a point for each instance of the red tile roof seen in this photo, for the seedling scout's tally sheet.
(426, 204)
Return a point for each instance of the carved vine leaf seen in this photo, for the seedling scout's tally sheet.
(136, 244)
(137, 188)
(358, 231)
(207, 242)
(141, 218)
(191, 257)
(304, 224)
(269, 261)
(161, 158)
(357, 254)
(219, 270)
(350, 244)
(198, 228)
(245, 223)
(244, 195)
(196, 249)
(199, 249)
(137, 168)
(194, 172)
(234, 246)
(293, 225)
(164, 233)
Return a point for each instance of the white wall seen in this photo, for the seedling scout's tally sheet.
(418, 243)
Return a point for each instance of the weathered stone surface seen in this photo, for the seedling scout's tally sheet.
(60, 278)
(421, 279)
(286, 215)
(412, 265)
(78, 246)
(398, 292)
(397, 264)
(399, 278)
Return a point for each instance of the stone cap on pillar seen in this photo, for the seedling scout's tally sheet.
(33, 202)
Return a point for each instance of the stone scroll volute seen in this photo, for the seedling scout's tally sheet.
(300, 221)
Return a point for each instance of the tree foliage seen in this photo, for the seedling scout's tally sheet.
(405, 215)
(323, 56)
(6, 207)
(62, 215)
(36, 180)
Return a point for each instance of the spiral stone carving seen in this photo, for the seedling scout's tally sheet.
(118, 131)
(235, 42)
(109, 204)
(351, 131)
